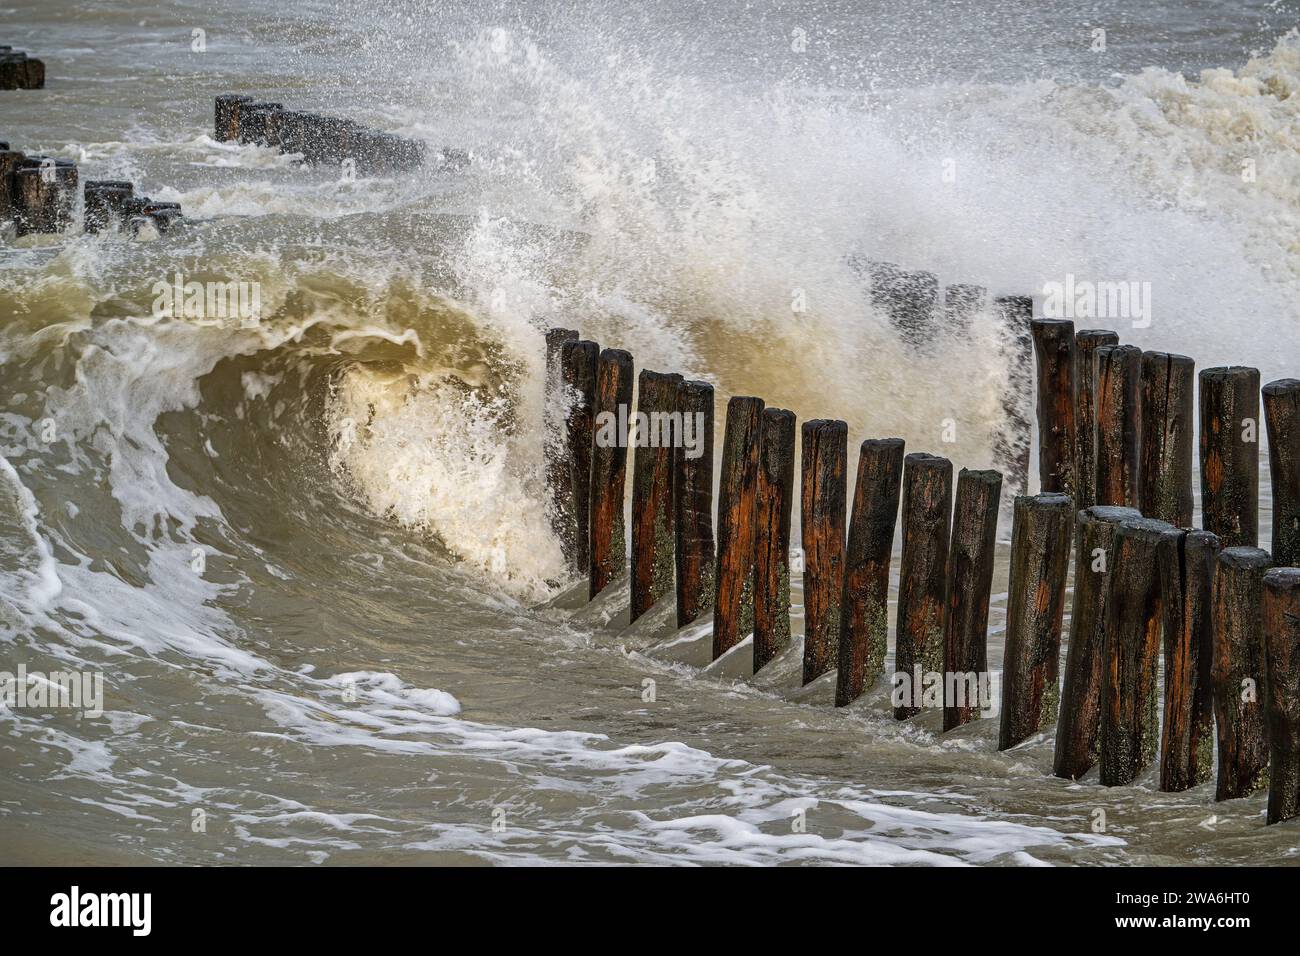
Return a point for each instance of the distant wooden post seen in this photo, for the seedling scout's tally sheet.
(775, 503)
(573, 503)
(10, 160)
(823, 490)
(1282, 413)
(1187, 563)
(1040, 562)
(1119, 424)
(105, 203)
(44, 193)
(609, 469)
(927, 511)
(1133, 613)
(1168, 418)
(1057, 454)
(970, 579)
(733, 606)
(1011, 444)
(555, 467)
(1282, 641)
(1239, 672)
(227, 116)
(1078, 728)
(652, 500)
(1086, 343)
(961, 303)
(693, 502)
(1230, 454)
(864, 631)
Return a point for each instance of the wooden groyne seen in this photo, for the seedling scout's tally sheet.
(18, 71)
(1115, 442)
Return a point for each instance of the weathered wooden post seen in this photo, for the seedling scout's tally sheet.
(105, 203)
(1168, 418)
(1133, 613)
(1239, 676)
(1057, 454)
(258, 123)
(927, 510)
(864, 617)
(573, 502)
(1119, 424)
(227, 116)
(1040, 562)
(1282, 642)
(1086, 343)
(774, 504)
(1282, 413)
(733, 605)
(609, 469)
(823, 490)
(555, 468)
(1079, 726)
(1011, 449)
(1187, 563)
(693, 502)
(652, 476)
(44, 193)
(970, 578)
(10, 160)
(1230, 454)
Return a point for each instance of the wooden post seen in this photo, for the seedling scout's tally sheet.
(1057, 454)
(1187, 562)
(1132, 654)
(105, 203)
(733, 605)
(573, 503)
(609, 469)
(1168, 419)
(961, 303)
(1011, 445)
(1238, 672)
(927, 510)
(823, 490)
(1086, 343)
(864, 631)
(1040, 561)
(652, 490)
(258, 124)
(1119, 426)
(1282, 643)
(1230, 454)
(555, 400)
(970, 579)
(44, 193)
(917, 295)
(227, 116)
(1079, 726)
(693, 502)
(10, 160)
(774, 505)
(1282, 414)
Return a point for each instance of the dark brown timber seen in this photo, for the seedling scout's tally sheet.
(1086, 343)
(1168, 420)
(1133, 611)
(1187, 563)
(775, 505)
(693, 502)
(1282, 414)
(1057, 454)
(733, 606)
(1078, 728)
(652, 489)
(927, 510)
(1230, 454)
(554, 412)
(864, 632)
(970, 578)
(573, 503)
(1119, 427)
(227, 116)
(609, 469)
(1240, 688)
(1282, 643)
(823, 490)
(1040, 562)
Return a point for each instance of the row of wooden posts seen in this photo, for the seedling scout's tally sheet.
(1115, 444)
(18, 71)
